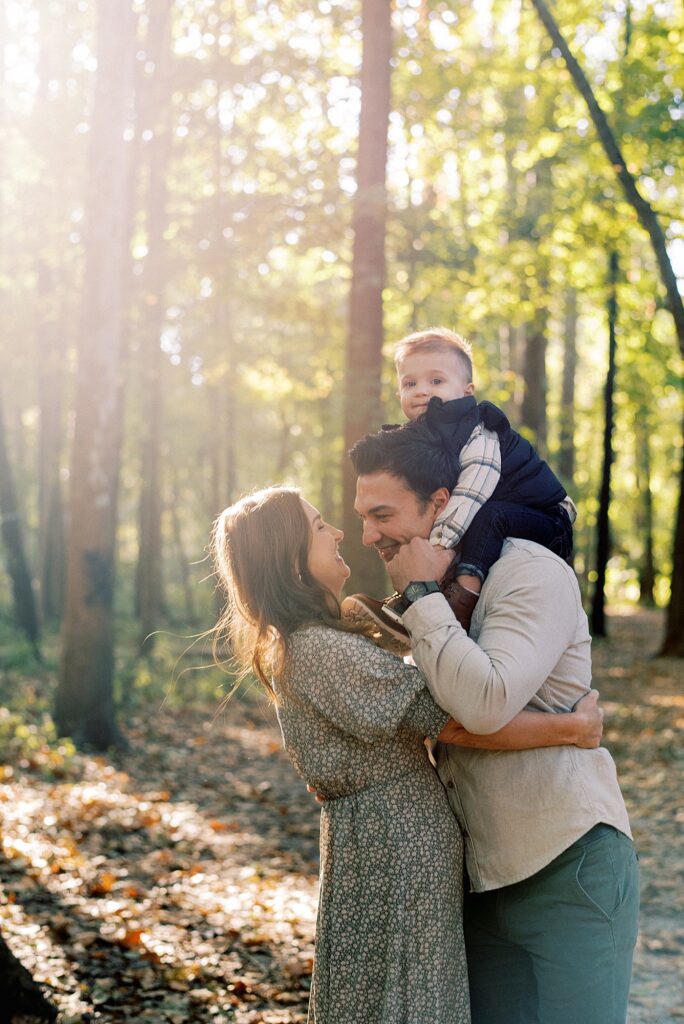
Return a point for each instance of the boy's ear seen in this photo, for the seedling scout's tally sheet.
(469, 389)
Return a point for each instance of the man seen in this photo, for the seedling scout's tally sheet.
(551, 918)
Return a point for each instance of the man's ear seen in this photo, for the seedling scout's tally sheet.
(439, 499)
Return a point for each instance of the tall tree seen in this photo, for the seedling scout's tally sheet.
(85, 705)
(365, 338)
(13, 543)
(154, 119)
(566, 453)
(673, 643)
(598, 616)
(50, 327)
(644, 519)
(10, 525)
(533, 408)
(51, 530)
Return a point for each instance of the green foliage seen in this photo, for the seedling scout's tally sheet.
(500, 199)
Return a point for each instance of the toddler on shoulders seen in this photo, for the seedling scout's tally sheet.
(503, 488)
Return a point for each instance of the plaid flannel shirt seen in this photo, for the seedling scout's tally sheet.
(480, 460)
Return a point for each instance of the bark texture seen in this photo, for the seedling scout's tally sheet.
(598, 615)
(363, 411)
(13, 542)
(84, 705)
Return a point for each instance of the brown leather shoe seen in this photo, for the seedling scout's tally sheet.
(461, 600)
(364, 610)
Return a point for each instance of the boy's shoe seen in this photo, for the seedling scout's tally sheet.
(382, 616)
(461, 601)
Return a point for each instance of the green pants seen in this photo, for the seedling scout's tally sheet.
(557, 947)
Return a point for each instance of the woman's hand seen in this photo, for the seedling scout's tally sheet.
(588, 718)
(582, 727)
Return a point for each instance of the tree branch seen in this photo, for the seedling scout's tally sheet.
(647, 216)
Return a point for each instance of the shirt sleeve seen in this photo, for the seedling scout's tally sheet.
(480, 460)
(359, 688)
(528, 624)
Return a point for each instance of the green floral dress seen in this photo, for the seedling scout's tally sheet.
(389, 942)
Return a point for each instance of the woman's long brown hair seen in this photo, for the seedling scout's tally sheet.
(260, 548)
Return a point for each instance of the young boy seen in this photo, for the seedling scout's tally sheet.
(503, 488)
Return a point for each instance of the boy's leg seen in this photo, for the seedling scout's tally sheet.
(577, 920)
(497, 520)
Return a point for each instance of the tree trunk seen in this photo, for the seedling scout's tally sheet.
(181, 555)
(533, 413)
(533, 410)
(598, 618)
(51, 530)
(226, 443)
(50, 328)
(649, 221)
(644, 519)
(13, 542)
(19, 993)
(364, 345)
(566, 454)
(152, 116)
(149, 598)
(85, 705)
(673, 643)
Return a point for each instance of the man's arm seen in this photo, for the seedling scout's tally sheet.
(582, 727)
(531, 617)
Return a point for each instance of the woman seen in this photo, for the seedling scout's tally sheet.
(389, 945)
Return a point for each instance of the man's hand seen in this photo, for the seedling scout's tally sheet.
(589, 721)
(418, 560)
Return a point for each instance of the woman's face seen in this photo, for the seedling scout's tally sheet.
(326, 565)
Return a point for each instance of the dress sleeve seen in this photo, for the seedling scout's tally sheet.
(358, 687)
(424, 717)
(480, 461)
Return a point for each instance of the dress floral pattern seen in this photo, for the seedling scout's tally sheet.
(389, 942)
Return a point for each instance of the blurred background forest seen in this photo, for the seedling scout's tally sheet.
(216, 219)
(201, 284)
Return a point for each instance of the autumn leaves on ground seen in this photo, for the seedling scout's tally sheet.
(177, 882)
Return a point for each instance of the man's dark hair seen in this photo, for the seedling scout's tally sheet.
(413, 452)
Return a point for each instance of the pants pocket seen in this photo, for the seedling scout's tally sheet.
(605, 874)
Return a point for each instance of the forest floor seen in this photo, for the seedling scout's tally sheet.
(177, 882)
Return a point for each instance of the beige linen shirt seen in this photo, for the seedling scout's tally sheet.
(518, 808)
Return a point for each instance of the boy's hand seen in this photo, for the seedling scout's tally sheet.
(418, 560)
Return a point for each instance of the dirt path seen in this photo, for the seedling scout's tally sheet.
(179, 884)
(644, 700)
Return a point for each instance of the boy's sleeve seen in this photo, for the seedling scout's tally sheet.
(480, 460)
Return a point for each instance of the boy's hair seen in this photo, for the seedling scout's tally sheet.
(436, 339)
(413, 452)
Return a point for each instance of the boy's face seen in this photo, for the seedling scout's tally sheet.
(424, 374)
